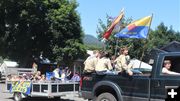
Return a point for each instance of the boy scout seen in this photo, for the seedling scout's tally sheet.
(91, 62)
(122, 62)
(104, 63)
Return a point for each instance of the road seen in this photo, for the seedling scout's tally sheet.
(5, 96)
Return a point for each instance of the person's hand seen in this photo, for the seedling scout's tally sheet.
(130, 73)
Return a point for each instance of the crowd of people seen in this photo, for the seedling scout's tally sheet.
(58, 74)
(65, 74)
(102, 63)
(26, 77)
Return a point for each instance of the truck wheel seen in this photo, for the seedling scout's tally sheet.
(106, 97)
(17, 96)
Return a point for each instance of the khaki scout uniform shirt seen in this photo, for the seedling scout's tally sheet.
(122, 63)
(90, 64)
(103, 64)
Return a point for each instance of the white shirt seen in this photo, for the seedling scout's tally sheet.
(56, 73)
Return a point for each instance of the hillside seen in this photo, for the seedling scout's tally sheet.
(92, 41)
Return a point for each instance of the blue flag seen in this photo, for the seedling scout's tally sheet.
(137, 29)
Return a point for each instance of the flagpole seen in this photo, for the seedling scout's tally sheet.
(149, 94)
(145, 43)
(104, 43)
(150, 25)
(116, 39)
(104, 46)
(116, 46)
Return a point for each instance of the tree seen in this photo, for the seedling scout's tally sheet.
(161, 36)
(1, 60)
(32, 27)
(66, 29)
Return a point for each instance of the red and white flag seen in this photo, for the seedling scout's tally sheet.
(114, 23)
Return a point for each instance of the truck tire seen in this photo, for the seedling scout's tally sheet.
(106, 97)
(17, 96)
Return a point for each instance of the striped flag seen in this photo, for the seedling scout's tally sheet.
(114, 23)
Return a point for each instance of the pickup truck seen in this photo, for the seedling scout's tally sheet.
(145, 86)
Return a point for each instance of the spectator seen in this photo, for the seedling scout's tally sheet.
(43, 78)
(49, 75)
(63, 75)
(34, 67)
(76, 77)
(56, 73)
(9, 77)
(68, 73)
(38, 75)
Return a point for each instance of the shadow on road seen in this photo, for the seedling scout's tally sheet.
(42, 99)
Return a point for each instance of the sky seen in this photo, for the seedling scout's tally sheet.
(167, 11)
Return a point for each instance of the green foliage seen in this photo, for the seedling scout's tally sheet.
(71, 51)
(161, 36)
(1, 60)
(31, 27)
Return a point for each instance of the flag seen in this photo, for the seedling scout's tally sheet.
(137, 29)
(116, 21)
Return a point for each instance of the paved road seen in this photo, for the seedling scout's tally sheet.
(4, 96)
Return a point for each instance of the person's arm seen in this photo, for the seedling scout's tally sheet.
(109, 64)
(118, 62)
(68, 72)
(173, 73)
(166, 71)
(123, 63)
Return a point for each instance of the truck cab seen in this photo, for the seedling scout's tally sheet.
(145, 86)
